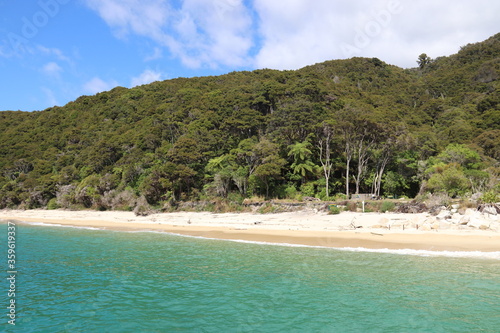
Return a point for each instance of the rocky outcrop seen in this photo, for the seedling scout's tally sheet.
(411, 207)
(492, 209)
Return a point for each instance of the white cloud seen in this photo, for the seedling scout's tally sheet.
(213, 33)
(274, 34)
(142, 17)
(200, 33)
(145, 77)
(51, 69)
(53, 52)
(96, 85)
(305, 32)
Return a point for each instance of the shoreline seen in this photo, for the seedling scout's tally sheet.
(308, 228)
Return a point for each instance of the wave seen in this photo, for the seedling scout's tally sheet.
(60, 225)
(422, 253)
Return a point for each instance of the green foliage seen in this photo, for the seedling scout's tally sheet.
(333, 209)
(449, 179)
(387, 206)
(307, 189)
(402, 131)
(490, 197)
(52, 204)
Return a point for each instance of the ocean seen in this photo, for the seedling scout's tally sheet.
(83, 280)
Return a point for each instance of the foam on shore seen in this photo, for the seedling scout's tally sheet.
(494, 255)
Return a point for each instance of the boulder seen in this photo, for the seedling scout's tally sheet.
(426, 227)
(436, 210)
(478, 223)
(492, 209)
(464, 220)
(444, 215)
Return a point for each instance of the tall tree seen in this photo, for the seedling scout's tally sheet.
(324, 141)
(302, 163)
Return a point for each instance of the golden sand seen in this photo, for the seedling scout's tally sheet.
(306, 228)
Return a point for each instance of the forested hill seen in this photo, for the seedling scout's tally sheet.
(343, 126)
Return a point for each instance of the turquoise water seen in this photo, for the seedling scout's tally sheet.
(77, 280)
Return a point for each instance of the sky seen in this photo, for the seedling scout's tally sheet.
(53, 51)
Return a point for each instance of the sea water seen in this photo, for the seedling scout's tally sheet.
(78, 280)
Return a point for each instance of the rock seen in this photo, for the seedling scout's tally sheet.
(444, 215)
(492, 209)
(412, 207)
(455, 206)
(476, 196)
(383, 221)
(425, 227)
(435, 226)
(464, 220)
(436, 210)
(477, 223)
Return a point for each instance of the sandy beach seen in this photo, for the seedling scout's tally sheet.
(471, 231)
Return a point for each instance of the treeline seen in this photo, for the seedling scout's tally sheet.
(326, 131)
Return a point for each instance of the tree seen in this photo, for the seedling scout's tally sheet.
(423, 61)
(347, 134)
(390, 138)
(222, 170)
(449, 179)
(269, 169)
(324, 141)
(302, 163)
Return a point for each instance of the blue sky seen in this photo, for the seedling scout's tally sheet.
(53, 51)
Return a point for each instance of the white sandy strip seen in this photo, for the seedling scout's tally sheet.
(370, 230)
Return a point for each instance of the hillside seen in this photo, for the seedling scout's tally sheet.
(343, 126)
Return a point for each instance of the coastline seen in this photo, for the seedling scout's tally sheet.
(375, 231)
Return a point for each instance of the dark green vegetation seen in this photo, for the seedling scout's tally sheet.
(345, 126)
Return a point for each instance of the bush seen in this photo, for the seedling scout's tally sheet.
(307, 189)
(387, 206)
(339, 196)
(52, 204)
(489, 197)
(333, 209)
(352, 206)
(291, 192)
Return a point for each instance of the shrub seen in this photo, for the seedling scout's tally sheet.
(352, 206)
(489, 197)
(52, 204)
(339, 196)
(307, 189)
(333, 209)
(290, 192)
(387, 206)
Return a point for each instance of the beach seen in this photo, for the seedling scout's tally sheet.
(310, 228)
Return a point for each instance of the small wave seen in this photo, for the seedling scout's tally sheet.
(60, 225)
(430, 253)
(411, 252)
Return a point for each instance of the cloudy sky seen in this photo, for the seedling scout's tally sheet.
(52, 51)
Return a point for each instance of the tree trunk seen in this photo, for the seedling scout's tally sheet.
(324, 157)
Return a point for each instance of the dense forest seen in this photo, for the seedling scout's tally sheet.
(327, 131)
